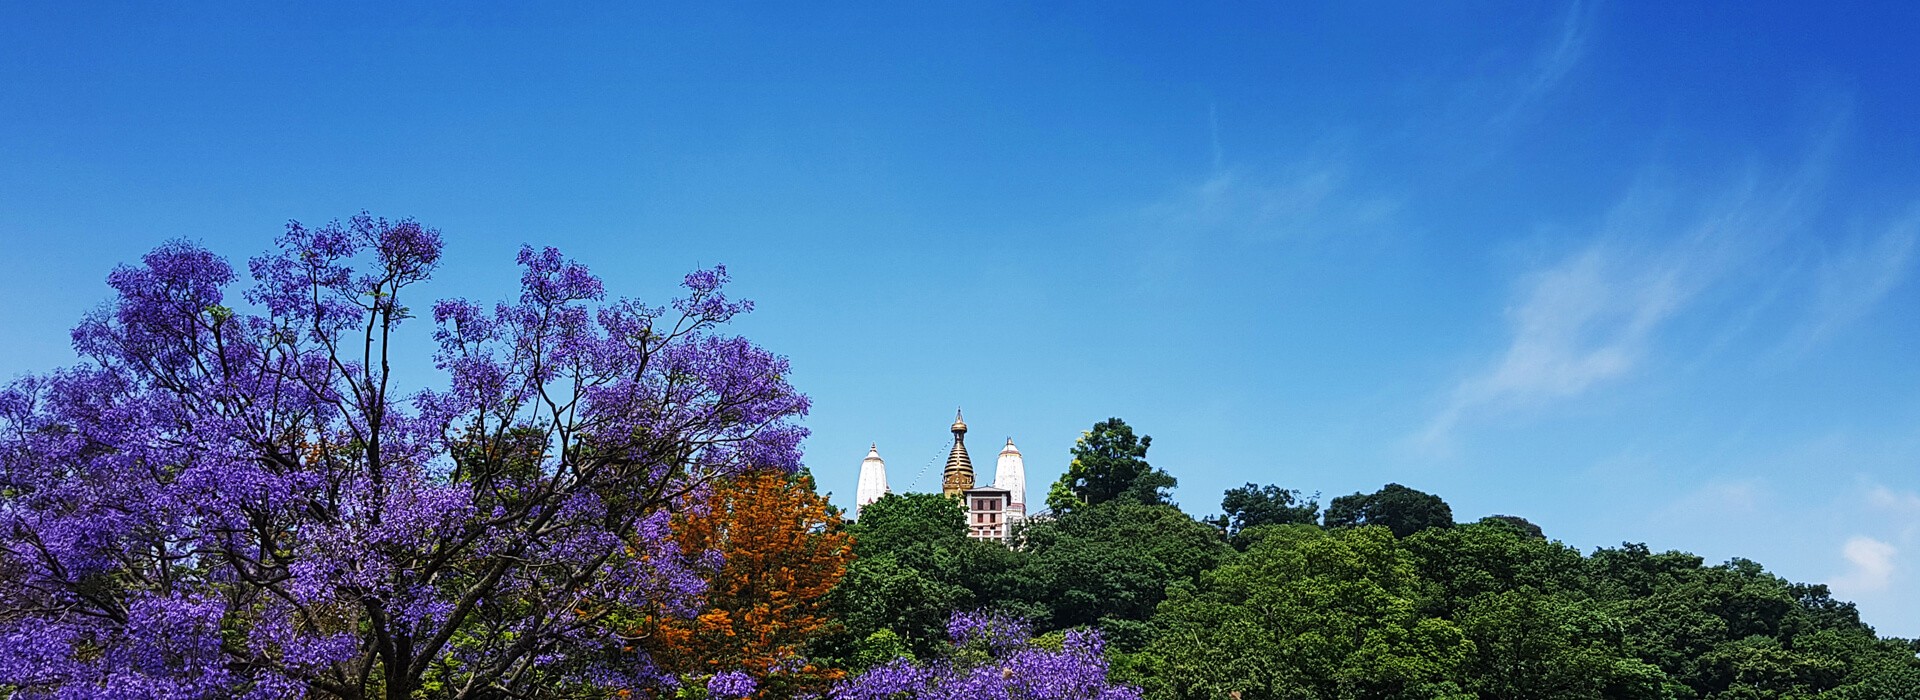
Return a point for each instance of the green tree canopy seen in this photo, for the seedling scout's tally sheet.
(904, 581)
(1472, 560)
(1110, 462)
(1519, 599)
(1109, 564)
(884, 601)
(1252, 506)
(1306, 614)
(1392, 601)
(1736, 631)
(897, 522)
(1531, 645)
(1403, 510)
(1515, 523)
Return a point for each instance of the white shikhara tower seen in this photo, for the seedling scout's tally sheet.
(1010, 473)
(873, 478)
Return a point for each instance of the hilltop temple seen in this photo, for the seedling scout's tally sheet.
(991, 510)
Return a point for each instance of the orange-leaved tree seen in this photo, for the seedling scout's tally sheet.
(784, 549)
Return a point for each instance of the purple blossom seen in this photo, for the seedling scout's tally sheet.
(239, 502)
(730, 685)
(1011, 666)
(996, 631)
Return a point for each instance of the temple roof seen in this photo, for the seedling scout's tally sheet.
(958, 476)
(873, 478)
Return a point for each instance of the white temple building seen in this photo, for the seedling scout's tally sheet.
(992, 510)
(1010, 473)
(873, 478)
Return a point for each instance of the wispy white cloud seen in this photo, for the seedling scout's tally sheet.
(1310, 201)
(1897, 510)
(1852, 281)
(1902, 502)
(1579, 322)
(1560, 52)
(1318, 193)
(1591, 316)
(1882, 524)
(1871, 566)
(1721, 503)
(1724, 497)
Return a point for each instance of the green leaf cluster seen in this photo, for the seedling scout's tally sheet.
(1109, 463)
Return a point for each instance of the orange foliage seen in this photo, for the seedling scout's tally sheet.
(784, 550)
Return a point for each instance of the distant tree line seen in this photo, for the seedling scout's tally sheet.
(1381, 595)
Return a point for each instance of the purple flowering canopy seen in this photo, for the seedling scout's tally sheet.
(238, 502)
(993, 657)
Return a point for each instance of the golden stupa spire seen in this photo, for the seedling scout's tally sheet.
(959, 473)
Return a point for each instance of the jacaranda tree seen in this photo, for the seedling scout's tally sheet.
(993, 656)
(232, 499)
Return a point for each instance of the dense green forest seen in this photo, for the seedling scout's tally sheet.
(1380, 595)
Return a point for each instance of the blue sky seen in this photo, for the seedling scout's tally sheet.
(1632, 271)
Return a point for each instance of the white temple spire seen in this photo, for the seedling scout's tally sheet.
(873, 478)
(1010, 473)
